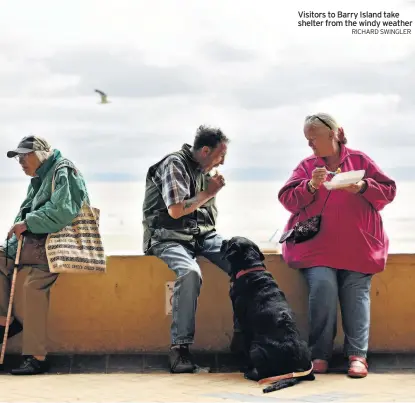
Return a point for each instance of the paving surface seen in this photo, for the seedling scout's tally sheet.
(204, 387)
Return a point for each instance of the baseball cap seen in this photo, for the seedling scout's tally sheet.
(29, 144)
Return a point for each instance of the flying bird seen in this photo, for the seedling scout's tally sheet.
(104, 97)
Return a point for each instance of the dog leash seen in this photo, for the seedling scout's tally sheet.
(277, 378)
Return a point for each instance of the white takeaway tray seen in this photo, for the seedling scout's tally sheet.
(344, 179)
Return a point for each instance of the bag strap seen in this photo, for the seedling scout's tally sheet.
(61, 164)
(324, 205)
(7, 251)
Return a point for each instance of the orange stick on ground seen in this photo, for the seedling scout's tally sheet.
(9, 310)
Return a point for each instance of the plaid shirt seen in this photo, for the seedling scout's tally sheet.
(173, 181)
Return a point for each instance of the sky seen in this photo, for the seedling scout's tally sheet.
(169, 66)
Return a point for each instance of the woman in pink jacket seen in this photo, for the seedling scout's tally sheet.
(351, 245)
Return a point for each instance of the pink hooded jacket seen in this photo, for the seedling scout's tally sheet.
(351, 235)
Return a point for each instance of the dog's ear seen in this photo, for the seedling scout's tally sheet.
(253, 253)
(224, 247)
(261, 255)
(229, 249)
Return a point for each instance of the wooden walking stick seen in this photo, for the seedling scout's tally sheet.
(9, 310)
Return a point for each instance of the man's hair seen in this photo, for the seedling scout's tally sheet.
(42, 156)
(209, 136)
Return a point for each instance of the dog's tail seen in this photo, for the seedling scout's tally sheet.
(284, 383)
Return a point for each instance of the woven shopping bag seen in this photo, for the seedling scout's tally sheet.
(78, 247)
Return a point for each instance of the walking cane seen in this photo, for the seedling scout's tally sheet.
(9, 310)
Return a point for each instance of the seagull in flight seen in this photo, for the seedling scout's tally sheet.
(104, 97)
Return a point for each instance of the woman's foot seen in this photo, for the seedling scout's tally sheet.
(357, 367)
(320, 366)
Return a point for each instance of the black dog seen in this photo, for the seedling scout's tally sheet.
(272, 344)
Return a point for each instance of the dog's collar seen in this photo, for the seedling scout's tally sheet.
(277, 378)
(246, 271)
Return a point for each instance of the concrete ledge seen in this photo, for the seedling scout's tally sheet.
(217, 362)
(123, 312)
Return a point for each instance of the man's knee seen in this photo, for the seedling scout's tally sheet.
(42, 283)
(191, 278)
(6, 266)
(30, 285)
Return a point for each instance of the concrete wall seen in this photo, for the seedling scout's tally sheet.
(124, 310)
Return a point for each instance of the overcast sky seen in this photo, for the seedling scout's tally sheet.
(169, 66)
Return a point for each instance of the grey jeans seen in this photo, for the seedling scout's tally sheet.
(326, 285)
(189, 280)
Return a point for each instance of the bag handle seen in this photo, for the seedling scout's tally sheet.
(7, 251)
(325, 201)
(59, 165)
(62, 164)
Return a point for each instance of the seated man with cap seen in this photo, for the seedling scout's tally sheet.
(41, 213)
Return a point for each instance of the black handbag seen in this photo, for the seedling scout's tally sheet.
(304, 230)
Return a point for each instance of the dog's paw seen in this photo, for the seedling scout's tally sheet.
(252, 375)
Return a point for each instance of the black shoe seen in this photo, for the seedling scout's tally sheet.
(181, 361)
(31, 366)
(15, 328)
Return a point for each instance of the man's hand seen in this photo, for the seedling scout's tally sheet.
(356, 188)
(17, 229)
(216, 183)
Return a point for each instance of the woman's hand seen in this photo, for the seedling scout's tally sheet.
(17, 229)
(358, 187)
(318, 176)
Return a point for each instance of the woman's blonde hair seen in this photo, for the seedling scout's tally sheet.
(326, 120)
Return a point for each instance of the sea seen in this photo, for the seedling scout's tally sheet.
(249, 209)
